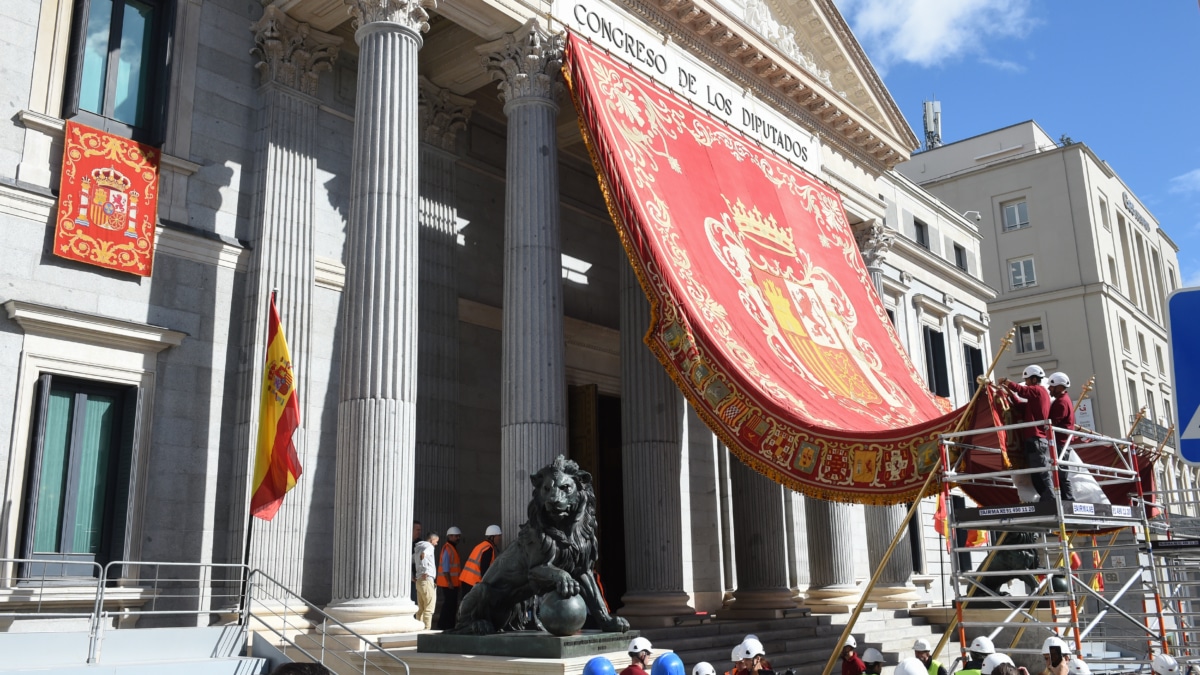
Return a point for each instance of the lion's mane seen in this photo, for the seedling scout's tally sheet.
(572, 548)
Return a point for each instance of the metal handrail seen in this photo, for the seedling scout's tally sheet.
(255, 587)
(160, 583)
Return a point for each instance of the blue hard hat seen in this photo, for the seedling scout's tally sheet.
(598, 665)
(668, 664)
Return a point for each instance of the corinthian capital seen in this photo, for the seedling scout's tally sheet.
(442, 114)
(292, 53)
(874, 241)
(409, 13)
(527, 63)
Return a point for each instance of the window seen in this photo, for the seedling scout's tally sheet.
(1112, 272)
(1021, 274)
(1158, 359)
(1171, 277)
(960, 257)
(921, 233)
(1104, 214)
(1029, 337)
(1124, 336)
(1016, 216)
(973, 360)
(1167, 412)
(935, 362)
(1151, 411)
(1142, 348)
(118, 63)
(78, 484)
(1133, 397)
(891, 316)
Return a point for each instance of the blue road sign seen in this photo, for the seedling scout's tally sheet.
(1183, 337)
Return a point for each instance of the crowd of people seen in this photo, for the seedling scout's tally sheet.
(443, 573)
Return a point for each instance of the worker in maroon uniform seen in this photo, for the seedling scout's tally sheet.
(639, 657)
(851, 663)
(1036, 439)
(1062, 416)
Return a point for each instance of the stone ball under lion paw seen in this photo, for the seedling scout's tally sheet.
(562, 616)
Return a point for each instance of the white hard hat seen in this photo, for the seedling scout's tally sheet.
(1055, 641)
(737, 654)
(851, 642)
(921, 645)
(453, 530)
(911, 666)
(983, 645)
(993, 660)
(1033, 371)
(750, 636)
(1078, 667)
(751, 648)
(1164, 664)
(1059, 378)
(704, 668)
(492, 531)
(637, 645)
(872, 655)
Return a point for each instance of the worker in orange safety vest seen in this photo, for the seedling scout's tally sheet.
(480, 560)
(448, 579)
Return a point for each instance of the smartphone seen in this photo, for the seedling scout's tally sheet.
(1055, 656)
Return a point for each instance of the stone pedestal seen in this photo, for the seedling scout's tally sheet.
(373, 494)
(763, 589)
(533, 416)
(831, 587)
(652, 436)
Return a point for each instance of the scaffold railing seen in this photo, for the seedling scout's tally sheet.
(1174, 545)
(1028, 579)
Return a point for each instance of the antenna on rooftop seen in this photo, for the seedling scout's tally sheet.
(933, 124)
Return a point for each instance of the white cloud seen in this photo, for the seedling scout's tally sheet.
(1188, 182)
(929, 32)
(1191, 278)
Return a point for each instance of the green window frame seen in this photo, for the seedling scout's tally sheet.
(78, 478)
(119, 64)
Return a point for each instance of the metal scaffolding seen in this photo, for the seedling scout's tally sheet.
(1111, 609)
(1174, 526)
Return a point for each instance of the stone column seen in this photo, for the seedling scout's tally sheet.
(763, 589)
(831, 586)
(893, 590)
(442, 115)
(652, 435)
(373, 494)
(291, 56)
(533, 416)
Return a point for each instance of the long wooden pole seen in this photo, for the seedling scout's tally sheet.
(916, 505)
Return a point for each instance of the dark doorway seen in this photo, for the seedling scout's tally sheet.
(595, 432)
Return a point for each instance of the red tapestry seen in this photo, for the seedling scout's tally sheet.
(107, 201)
(763, 311)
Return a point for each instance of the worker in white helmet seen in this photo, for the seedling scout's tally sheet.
(924, 653)
(851, 664)
(911, 666)
(981, 647)
(1054, 648)
(639, 655)
(1164, 664)
(1034, 406)
(992, 662)
(704, 668)
(873, 659)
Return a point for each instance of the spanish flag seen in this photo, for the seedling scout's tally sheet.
(276, 467)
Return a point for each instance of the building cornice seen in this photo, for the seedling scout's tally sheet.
(750, 60)
(931, 306)
(68, 324)
(925, 258)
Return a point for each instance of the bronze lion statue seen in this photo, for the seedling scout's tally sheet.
(556, 550)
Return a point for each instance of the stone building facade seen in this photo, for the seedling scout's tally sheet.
(412, 182)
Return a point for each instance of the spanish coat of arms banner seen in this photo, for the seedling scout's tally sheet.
(107, 201)
(762, 309)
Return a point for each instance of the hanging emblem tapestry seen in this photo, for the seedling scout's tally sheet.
(763, 311)
(107, 201)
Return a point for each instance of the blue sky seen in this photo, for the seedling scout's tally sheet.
(1122, 76)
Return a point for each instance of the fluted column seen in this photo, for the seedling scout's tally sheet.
(763, 588)
(533, 417)
(831, 586)
(652, 419)
(291, 56)
(442, 116)
(373, 496)
(893, 590)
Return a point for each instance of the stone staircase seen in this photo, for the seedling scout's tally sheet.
(800, 643)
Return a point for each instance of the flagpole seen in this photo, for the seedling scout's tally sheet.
(249, 539)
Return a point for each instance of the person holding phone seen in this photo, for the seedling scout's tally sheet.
(1057, 656)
